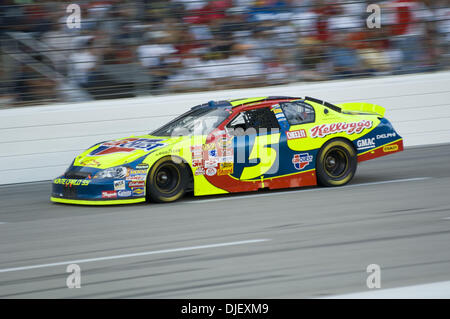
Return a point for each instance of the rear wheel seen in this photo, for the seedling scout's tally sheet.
(336, 163)
(166, 181)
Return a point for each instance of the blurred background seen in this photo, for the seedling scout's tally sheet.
(135, 48)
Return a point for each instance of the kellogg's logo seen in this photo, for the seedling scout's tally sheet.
(349, 128)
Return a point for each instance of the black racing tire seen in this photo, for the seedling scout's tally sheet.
(336, 163)
(166, 181)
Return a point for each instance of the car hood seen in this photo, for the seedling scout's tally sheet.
(122, 151)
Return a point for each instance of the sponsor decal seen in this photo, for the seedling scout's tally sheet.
(226, 159)
(211, 163)
(138, 191)
(226, 165)
(124, 193)
(212, 153)
(275, 107)
(284, 124)
(211, 171)
(119, 185)
(224, 142)
(136, 172)
(109, 194)
(197, 155)
(349, 128)
(142, 166)
(91, 163)
(136, 184)
(366, 143)
(199, 171)
(293, 135)
(71, 182)
(196, 162)
(168, 152)
(386, 135)
(225, 152)
(209, 146)
(128, 145)
(390, 148)
(301, 160)
(219, 133)
(136, 178)
(225, 169)
(196, 149)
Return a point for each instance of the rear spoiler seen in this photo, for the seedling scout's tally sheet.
(363, 107)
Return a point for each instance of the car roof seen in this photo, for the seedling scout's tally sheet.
(238, 103)
(245, 101)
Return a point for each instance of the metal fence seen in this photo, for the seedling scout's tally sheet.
(53, 52)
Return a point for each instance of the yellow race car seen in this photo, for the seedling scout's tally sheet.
(232, 146)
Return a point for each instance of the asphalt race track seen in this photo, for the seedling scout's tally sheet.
(301, 243)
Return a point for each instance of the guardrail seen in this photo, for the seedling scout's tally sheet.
(38, 143)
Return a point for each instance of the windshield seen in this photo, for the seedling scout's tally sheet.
(197, 121)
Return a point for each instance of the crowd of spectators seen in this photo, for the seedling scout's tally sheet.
(130, 48)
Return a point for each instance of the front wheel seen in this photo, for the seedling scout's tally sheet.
(336, 163)
(166, 181)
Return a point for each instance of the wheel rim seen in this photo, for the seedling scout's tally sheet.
(335, 163)
(167, 178)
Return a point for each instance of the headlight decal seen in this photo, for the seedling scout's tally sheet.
(117, 172)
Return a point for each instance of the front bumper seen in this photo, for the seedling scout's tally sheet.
(97, 202)
(96, 191)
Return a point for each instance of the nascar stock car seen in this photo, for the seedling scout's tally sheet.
(232, 146)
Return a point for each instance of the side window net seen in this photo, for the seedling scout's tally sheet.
(253, 121)
(261, 118)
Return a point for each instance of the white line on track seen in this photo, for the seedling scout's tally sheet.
(200, 201)
(24, 184)
(1, 223)
(426, 291)
(446, 218)
(145, 253)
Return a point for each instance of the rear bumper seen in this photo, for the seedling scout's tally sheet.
(383, 150)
